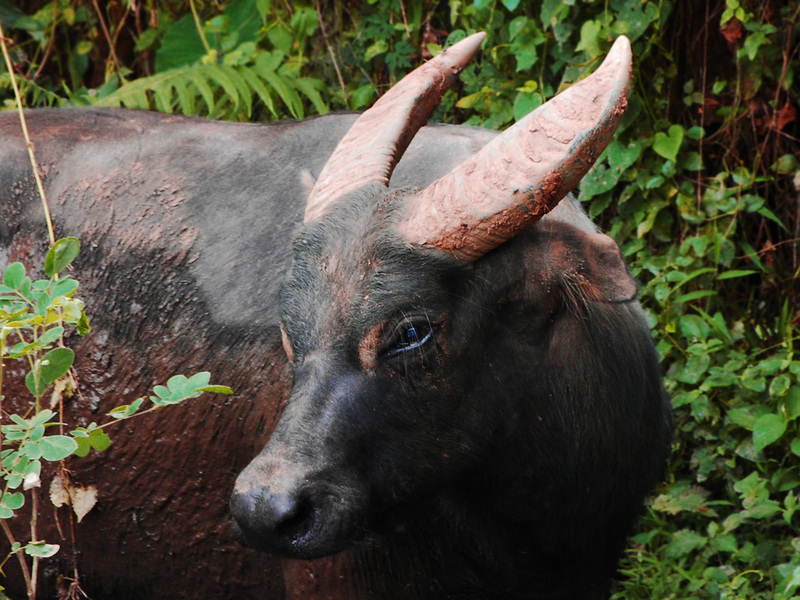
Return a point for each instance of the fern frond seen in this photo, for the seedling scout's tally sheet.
(218, 75)
(240, 86)
(212, 90)
(162, 96)
(36, 92)
(186, 100)
(135, 93)
(260, 89)
(310, 88)
(201, 85)
(285, 93)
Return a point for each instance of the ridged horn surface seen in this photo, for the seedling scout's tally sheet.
(369, 152)
(523, 173)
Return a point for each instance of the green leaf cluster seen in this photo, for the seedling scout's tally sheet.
(178, 389)
(236, 64)
(21, 464)
(35, 314)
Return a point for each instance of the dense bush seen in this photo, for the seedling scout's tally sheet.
(700, 187)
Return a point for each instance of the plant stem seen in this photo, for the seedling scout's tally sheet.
(26, 573)
(330, 51)
(30, 582)
(34, 538)
(48, 51)
(28, 142)
(199, 26)
(2, 370)
(111, 42)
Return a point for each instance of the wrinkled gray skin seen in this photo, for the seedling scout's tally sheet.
(186, 227)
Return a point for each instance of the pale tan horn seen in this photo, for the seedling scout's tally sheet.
(369, 152)
(523, 173)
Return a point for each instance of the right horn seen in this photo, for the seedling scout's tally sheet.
(524, 172)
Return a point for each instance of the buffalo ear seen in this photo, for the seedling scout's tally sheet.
(604, 276)
(557, 264)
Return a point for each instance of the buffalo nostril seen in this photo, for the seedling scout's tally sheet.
(264, 514)
(293, 517)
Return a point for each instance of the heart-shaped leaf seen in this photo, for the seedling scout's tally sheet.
(83, 499)
(668, 144)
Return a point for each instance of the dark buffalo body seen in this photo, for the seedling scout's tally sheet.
(186, 231)
(444, 427)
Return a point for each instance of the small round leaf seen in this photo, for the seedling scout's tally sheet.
(41, 549)
(57, 447)
(61, 255)
(56, 363)
(14, 276)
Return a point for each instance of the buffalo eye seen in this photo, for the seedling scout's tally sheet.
(409, 335)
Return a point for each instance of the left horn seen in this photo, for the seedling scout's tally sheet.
(524, 172)
(369, 152)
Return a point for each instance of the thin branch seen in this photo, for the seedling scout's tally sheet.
(405, 20)
(48, 51)
(34, 538)
(117, 33)
(703, 109)
(3, 334)
(110, 41)
(26, 573)
(28, 142)
(330, 51)
(199, 27)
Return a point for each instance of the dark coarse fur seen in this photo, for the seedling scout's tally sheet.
(505, 458)
(186, 229)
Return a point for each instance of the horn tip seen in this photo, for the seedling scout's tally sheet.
(620, 51)
(460, 53)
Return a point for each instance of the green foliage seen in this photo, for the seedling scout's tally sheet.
(699, 187)
(36, 314)
(691, 194)
(218, 67)
(224, 79)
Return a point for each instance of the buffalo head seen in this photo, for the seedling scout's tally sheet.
(453, 360)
